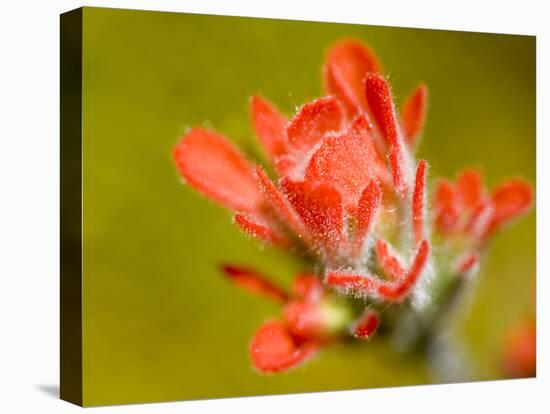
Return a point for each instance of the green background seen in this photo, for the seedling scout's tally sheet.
(160, 322)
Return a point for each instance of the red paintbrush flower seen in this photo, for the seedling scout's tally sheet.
(346, 184)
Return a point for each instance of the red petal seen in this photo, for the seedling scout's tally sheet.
(260, 228)
(304, 319)
(369, 204)
(346, 66)
(255, 283)
(270, 126)
(314, 120)
(467, 263)
(469, 185)
(520, 351)
(510, 199)
(393, 291)
(273, 349)
(419, 196)
(366, 325)
(281, 206)
(388, 260)
(413, 114)
(348, 161)
(307, 287)
(321, 210)
(213, 166)
(362, 284)
(381, 103)
(397, 290)
(446, 207)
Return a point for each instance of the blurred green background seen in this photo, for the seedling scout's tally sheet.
(160, 322)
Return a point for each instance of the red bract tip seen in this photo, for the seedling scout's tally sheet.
(510, 199)
(281, 206)
(253, 282)
(366, 325)
(304, 319)
(313, 121)
(346, 65)
(213, 166)
(467, 263)
(419, 199)
(273, 349)
(397, 290)
(469, 185)
(361, 284)
(388, 260)
(348, 161)
(368, 207)
(381, 103)
(270, 127)
(261, 229)
(446, 205)
(413, 114)
(321, 210)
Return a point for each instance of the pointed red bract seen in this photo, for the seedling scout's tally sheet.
(346, 66)
(446, 207)
(313, 122)
(348, 161)
(321, 210)
(388, 260)
(253, 282)
(419, 201)
(469, 185)
(282, 207)
(261, 229)
(366, 325)
(381, 104)
(273, 348)
(510, 200)
(270, 127)
(399, 289)
(392, 290)
(213, 166)
(467, 263)
(413, 114)
(367, 210)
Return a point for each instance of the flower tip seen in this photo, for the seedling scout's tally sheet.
(366, 325)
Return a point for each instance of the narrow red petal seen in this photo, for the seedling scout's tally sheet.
(307, 287)
(313, 122)
(261, 229)
(446, 207)
(413, 114)
(388, 260)
(360, 284)
(346, 66)
(467, 263)
(282, 206)
(396, 291)
(510, 199)
(213, 166)
(366, 325)
(368, 207)
(254, 282)
(270, 126)
(273, 349)
(321, 210)
(469, 185)
(348, 161)
(381, 103)
(419, 200)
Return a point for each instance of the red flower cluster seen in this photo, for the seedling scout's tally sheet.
(347, 184)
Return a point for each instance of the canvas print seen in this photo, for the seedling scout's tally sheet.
(257, 206)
